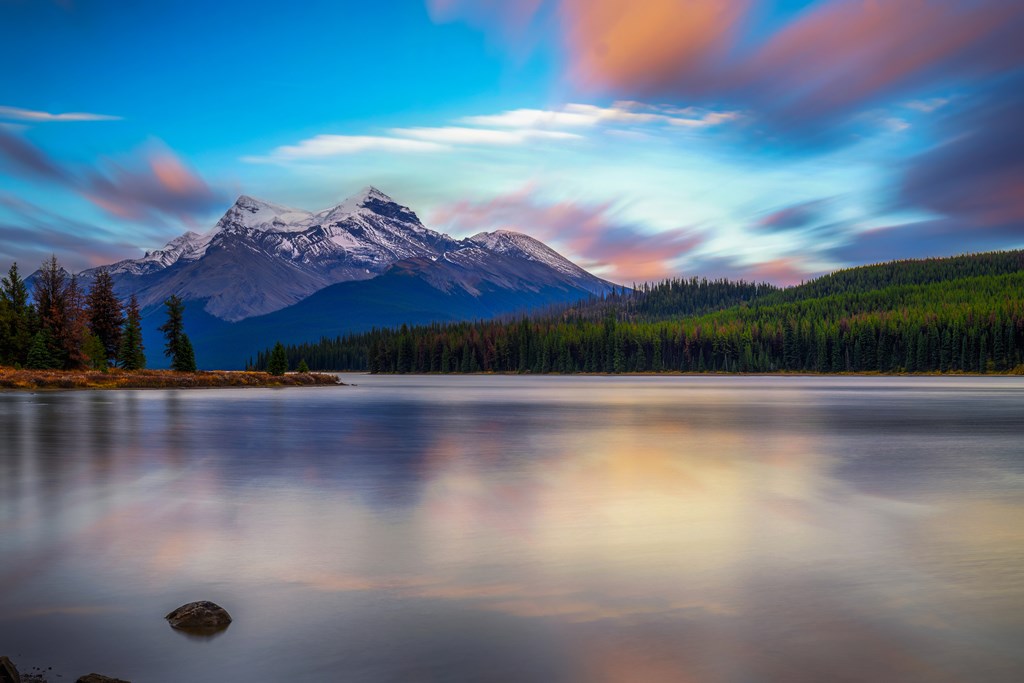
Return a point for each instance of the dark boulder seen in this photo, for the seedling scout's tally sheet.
(200, 617)
(98, 678)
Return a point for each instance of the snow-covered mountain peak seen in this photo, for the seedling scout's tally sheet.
(370, 192)
(249, 212)
(523, 246)
(368, 202)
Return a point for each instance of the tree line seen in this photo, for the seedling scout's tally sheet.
(935, 315)
(62, 326)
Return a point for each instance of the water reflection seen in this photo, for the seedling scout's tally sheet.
(515, 528)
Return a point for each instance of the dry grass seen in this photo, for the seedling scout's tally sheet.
(154, 379)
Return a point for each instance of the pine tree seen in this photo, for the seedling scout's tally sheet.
(51, 295)
(278, 363)
(303, 367)
(185, 359)
(42, 355)
(106, 317)
(178, 347)
(131, 354)
(18, 321)
(94, 351)
(76, 326)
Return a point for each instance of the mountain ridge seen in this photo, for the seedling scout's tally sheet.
(261, 256)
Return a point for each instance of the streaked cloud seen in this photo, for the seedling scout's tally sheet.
(794, 216)
(23, 158)
(19, 114)
(505, 129)
(976, 175)
(334, 145)
(588, 115)
(591, 234)
(813, 70)
(458, 135)
(149, 183)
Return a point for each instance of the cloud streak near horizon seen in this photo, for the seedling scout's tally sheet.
(593, 235)
(19, 114)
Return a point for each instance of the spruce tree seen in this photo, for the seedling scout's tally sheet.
(16, 325)
(106, 317)
(94, 352)
(42, 355)
(278, 363)
(303, 366)
(51, 295)
(76, 328)
(178, 347)
(131, 354)
(185, 359)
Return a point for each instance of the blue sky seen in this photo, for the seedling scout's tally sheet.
(769, 140)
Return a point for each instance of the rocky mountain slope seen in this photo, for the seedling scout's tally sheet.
(262, 257)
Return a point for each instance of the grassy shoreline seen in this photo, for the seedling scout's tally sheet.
(15, 379)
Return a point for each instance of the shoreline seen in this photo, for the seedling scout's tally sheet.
(678, 373)
(56, 380)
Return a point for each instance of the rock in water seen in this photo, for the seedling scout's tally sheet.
(8, 672)
(98, 678)
(202, 616)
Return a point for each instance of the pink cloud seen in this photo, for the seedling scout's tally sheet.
(638, 46)
(590, 234)
(824, 64)
(148, 183)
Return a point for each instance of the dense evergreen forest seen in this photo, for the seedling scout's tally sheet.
(963, 314)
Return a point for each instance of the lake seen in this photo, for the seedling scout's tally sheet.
(465, 528)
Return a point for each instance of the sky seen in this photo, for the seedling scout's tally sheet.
(641, 138)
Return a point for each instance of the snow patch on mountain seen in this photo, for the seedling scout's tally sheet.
(262, 256)
(517, 244)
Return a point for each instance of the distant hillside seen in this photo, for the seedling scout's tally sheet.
(962, 314)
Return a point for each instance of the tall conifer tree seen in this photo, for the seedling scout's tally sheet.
(106, 317)
(131, 354)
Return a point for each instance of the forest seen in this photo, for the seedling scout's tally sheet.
(56, 324)
(962, 314)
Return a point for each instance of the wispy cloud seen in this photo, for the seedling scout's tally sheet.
(19, 114)
(589, 115)
(151, 182)
(505, 129)
(793, 217)
(334, 145)
(592, 234)
(457, 135)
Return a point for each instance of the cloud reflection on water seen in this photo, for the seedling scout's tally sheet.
(701, 531)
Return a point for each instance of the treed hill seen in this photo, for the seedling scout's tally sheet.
(962, 314)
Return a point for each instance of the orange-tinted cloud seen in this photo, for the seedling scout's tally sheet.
(639, 46)
(818, 67)
(591, 233)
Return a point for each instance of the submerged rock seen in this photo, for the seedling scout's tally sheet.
(99, 678)
(200, 617)
(8, 672)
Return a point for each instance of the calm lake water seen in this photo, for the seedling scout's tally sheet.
(521, 529)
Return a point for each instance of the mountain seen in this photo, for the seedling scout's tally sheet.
(266, 271)
(262, 257)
